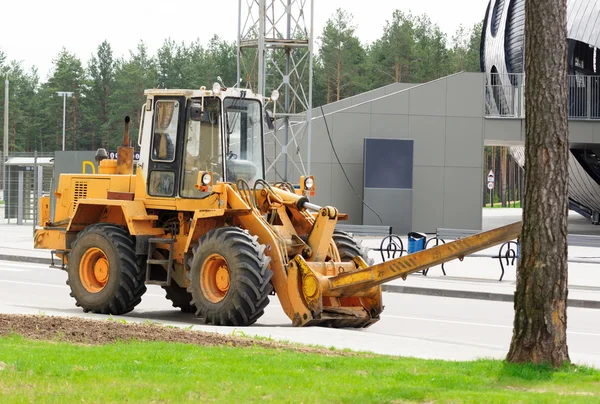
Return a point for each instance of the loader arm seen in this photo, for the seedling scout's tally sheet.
(313, 286)
(349, 284)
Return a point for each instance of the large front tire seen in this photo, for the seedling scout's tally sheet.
(103, 271)
(230, 279)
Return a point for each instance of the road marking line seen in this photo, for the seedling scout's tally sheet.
(446, 321)
(479, 324)
(57, 286)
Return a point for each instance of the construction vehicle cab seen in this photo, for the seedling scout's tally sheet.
(197, 218)
(185, 133)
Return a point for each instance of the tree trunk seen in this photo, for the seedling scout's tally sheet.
(339, 77)
(397, 72)
(328, 89)
(511, 181)
(540, 324)
(485, 173)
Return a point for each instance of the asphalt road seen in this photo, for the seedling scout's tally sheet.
(411, 325)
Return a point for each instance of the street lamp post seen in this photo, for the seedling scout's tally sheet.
(5, 181)
(64, 94)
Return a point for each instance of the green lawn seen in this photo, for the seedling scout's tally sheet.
(499, 205)
(33, 371)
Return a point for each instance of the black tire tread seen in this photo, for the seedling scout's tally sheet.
(180, 297)
(131, 287)
(349, 247)
(245, 302)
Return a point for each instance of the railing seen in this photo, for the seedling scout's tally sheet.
(21, 189)
(584, 97)
(505, 96)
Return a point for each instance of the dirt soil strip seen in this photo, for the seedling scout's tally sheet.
(98, 332)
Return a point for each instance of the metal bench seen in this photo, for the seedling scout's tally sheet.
(365, 230)
(508, 252)
(392, 246)
(454, 234)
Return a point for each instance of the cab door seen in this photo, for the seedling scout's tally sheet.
(166, 147)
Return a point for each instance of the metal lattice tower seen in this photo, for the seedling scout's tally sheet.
(275, 52)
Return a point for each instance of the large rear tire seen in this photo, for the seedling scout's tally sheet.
(103, 271)
(230, 279)
(180, 297)
(349, 247)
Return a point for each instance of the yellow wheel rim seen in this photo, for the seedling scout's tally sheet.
(94, 270)
(214, 278)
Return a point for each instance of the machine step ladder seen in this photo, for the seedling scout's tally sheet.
(156, 258)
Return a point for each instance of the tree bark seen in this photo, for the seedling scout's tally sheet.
(339, 77)
(540, 324)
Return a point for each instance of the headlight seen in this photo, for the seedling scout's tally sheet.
(216, 88)
(206, 179)
(275, 95)
(309, 183)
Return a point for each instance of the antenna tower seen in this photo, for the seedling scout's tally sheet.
(275, 52)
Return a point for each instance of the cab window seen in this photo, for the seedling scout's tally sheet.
(165, 131)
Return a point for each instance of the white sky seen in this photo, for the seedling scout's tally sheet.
(35, 31)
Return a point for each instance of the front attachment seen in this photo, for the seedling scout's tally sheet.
(310, 279)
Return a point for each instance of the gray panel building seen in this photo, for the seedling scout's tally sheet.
(446, 121)
(444, 118)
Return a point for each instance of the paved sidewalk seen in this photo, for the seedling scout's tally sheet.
(16, 244)
(475, 277)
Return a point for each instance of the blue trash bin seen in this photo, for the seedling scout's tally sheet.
(416, 242)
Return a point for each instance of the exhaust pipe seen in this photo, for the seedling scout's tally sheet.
(125, 153)
(126, 132)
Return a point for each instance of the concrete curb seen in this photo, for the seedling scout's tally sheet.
(411, 290)
(468, 294)
(460, 294)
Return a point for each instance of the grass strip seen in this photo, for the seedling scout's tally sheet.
(54, 371)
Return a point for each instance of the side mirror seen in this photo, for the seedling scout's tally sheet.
(269, 121)
(195, 111)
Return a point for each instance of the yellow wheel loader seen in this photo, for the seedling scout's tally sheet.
(196, 217)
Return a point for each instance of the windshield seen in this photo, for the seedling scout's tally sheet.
(243, 140)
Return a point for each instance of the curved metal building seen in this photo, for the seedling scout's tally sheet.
(503, 40)
(503, 62)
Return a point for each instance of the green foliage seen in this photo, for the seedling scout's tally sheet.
(101, 70)
(392, 58)
(132, 77)
(341, 57)
(161, 372)
(465, 49)
(410, 49)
